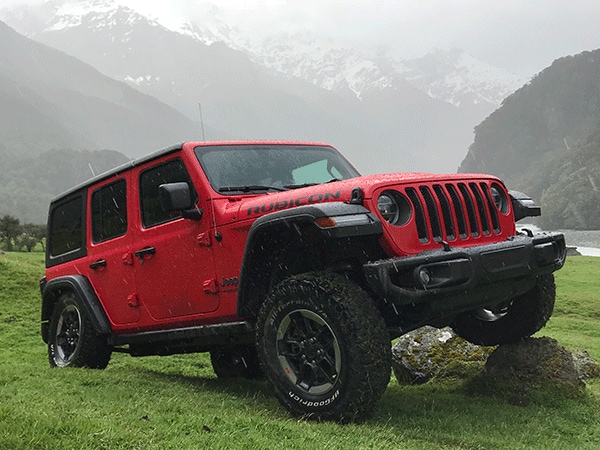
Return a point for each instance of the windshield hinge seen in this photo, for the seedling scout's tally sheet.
(357, 196)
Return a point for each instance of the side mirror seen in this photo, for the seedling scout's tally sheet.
(177, 197)
(523, 205)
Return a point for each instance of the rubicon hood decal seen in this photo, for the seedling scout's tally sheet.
(268, 205)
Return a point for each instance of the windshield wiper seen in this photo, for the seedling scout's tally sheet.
(250, 188)
(298, 186)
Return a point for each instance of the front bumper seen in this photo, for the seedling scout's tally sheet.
(456, 280)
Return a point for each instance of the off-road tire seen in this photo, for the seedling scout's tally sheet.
(72, 340)
(518, 319)
(324, 347)
(236, 361)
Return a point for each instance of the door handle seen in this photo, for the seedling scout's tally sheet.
(145, 252)
(101, 263)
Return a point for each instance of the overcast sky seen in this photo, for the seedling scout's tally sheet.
(523, 36)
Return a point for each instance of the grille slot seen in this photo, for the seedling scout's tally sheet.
(434, 220)
(471, 215)
(420, 218)
(485, 223)
(491, 207)
(446, 212)
(458, 211)
(453, 211)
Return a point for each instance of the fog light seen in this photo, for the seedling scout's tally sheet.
(424, 276)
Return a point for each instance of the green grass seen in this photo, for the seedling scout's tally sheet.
(177, 403)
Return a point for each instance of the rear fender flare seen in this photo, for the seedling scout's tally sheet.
(80, 286)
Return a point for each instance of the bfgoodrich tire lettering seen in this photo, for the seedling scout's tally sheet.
(324, 347)
(72, 340)
(506, 323)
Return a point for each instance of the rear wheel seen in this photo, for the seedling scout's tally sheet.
(72, 340)
(324, 347)
(509, 321)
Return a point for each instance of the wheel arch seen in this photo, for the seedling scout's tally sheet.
(81, 287)
(295, 234)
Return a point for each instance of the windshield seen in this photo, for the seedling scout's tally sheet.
(259, 168)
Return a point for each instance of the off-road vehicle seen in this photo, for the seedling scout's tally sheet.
(280, 260)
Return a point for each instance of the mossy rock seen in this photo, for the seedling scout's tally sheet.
(430, 352)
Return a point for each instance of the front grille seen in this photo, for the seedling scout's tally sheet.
(451, 211)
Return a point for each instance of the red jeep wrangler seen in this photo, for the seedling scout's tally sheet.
(279, 259)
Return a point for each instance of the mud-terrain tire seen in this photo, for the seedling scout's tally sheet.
(72, 340)
(236, 361)
(324, 347)
(511, 321)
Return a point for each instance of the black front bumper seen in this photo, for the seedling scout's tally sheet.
(456, 280)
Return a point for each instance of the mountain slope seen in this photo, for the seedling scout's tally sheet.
(555, 111)
(572, 199)
(53, 100)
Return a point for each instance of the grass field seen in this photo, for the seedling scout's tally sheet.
(177, 403)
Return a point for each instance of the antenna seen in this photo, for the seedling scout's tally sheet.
(201, 121)
(212, 201)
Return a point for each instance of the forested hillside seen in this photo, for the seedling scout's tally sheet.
(28, 183)
(545, 140)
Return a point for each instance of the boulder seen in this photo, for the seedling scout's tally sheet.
(428, 352)
(533, 359)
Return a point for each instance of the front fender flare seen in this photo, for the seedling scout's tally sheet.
(353, 220)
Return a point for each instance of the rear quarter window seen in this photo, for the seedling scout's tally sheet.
(66, 229)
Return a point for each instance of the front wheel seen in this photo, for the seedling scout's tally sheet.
(509, 321)
(72, 340)
(324, 347)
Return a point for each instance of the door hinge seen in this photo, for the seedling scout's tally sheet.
(133, 300)
(204, 240)
(211, 286)
(127, 259)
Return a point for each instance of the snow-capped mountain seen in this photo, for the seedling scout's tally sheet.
(451, 76)
(458, 78)
(319, 61)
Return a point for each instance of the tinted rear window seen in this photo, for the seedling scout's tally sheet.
(109, 212)
(66, 231)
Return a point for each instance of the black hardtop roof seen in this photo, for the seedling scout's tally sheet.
(119, 169)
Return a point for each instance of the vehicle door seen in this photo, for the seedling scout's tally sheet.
(109, 252)
(175, 273)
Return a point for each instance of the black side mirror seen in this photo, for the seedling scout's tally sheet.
(178, 197)
(523, 205)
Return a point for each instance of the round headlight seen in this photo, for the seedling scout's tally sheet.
(394, 208)
(388, 208)
(499, 198)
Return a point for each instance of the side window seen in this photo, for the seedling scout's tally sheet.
(66, 232)
(109, 211)
(173, 171)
